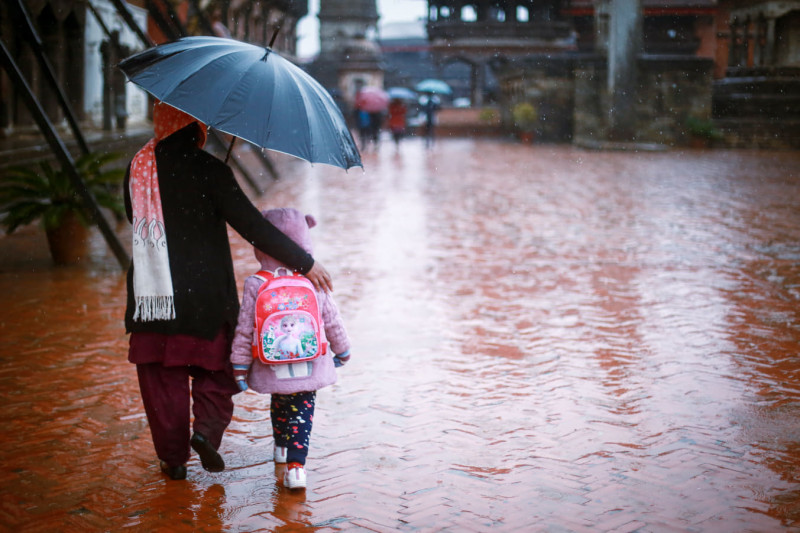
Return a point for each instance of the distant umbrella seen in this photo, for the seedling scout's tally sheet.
(401, 93)
(247, 91)
(372, 100)
(433, 86)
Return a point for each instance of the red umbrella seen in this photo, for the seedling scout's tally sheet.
(372, 100)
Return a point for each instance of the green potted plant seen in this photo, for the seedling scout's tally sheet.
(525, 120)
(45, 193)
(702, 132)
(488, 115)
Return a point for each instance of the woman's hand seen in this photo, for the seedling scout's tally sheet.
(320, 277)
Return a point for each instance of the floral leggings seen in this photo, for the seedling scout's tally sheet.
(292, 417)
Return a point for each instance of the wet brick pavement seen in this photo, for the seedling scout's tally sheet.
(545, 339)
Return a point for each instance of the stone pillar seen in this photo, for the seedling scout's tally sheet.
(745, 61)
(733, 42)
(624, 45)
(482, 11)
(769, 45)
(478, 80)
(601, 16)
(758, 41)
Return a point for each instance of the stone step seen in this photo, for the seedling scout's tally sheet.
(760, 132)
(757, 105)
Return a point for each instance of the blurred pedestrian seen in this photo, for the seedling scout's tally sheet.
(182, 302)
(397, 119)
(364, 123)
(430, 106)
(293, 386)
(371, 102)
(375, 126)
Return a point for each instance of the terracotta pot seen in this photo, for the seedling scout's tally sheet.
(699, 142)
(69, 242)
(526, 137)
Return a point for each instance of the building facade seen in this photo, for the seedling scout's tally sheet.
(756, 96)
(479, 34)
(83, 40)
(697, 60)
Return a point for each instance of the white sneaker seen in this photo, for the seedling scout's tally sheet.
(295, 477)
(280, 454)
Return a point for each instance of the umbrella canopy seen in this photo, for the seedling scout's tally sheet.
(247, 91)
(401, 93)
(433, 86)
(372, 100)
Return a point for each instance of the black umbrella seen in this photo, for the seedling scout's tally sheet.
(247, 91)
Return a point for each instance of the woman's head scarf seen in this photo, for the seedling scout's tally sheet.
(152, 278)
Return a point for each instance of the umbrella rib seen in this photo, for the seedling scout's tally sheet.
(229, 96)
(209, 119)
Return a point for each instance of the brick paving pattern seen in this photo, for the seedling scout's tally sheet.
(545, 339)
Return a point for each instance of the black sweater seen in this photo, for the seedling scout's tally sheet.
(199, 196)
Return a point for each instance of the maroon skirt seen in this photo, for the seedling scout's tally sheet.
(181, 350)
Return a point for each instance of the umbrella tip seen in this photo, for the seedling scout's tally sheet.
(275, 35)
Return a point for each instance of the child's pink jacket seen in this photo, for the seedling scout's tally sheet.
(261, 377)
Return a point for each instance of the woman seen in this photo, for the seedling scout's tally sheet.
(182, 302)
(397, 119)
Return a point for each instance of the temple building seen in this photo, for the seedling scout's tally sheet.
(349, 56)
(480, 33)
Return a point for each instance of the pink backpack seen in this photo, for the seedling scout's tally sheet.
(288, 319)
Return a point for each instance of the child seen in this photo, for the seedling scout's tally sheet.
(293, 391)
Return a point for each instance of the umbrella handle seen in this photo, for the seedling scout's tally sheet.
(230, 149)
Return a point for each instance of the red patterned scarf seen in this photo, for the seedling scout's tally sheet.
(152, 279)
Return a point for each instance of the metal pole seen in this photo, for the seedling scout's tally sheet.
(201, 16)
(128, 18)
(62, 154)
(267, 162)
(169, 25)
(99, 20)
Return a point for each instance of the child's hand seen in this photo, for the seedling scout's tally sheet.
(240, 375)
(341, 359)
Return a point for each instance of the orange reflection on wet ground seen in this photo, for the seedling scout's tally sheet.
(545, 339)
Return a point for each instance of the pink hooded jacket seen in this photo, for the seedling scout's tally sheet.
(321, 372)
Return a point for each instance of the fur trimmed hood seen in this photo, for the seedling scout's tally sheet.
(294, 225)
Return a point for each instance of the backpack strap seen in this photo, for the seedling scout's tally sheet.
(264, 275)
